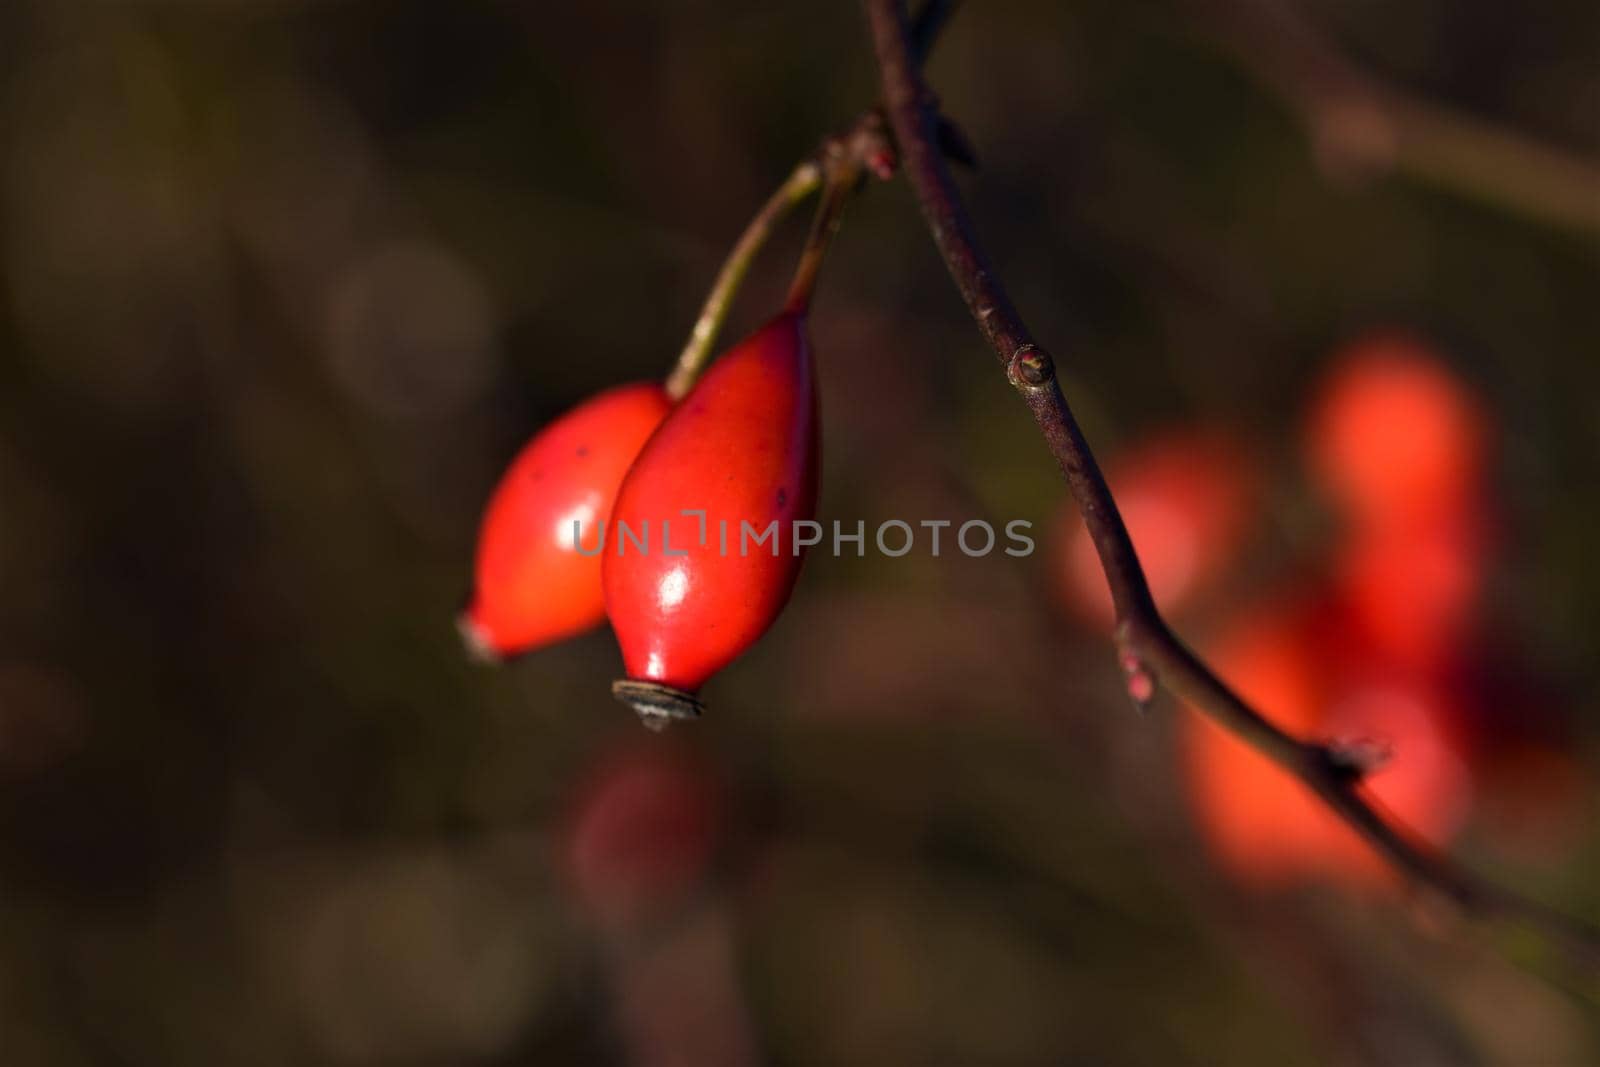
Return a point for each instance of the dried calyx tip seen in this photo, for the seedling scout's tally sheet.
(476, 639)
(658, 705)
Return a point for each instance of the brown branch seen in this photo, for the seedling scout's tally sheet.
(1150, 651)
(1361, 125)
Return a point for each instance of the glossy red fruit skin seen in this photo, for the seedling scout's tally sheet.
(532, 587)
(742, 446)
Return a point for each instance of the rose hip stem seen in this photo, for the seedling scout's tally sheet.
(801, 183)
(843, 176)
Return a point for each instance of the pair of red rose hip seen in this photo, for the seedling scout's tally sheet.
(615, 511)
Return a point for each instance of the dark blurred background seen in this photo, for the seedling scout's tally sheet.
(286, 283)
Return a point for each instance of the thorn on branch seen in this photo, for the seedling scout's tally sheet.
(954, 143)
(871, 144)
(927, 24)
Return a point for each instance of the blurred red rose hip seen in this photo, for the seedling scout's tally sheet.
(1188, 496)
(1394, 435)
(643, 830)
(1265, 827)
(1412, 592)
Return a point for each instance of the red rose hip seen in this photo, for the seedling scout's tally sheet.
(687, 595)
(533, 586)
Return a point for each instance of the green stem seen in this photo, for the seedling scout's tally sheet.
(801, 183)
(843, 177)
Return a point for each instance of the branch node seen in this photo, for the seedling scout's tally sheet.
(1354, 758)
(870, 144)
(1031, 368)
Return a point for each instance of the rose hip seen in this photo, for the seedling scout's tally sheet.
(533, 587)
(742, 448)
